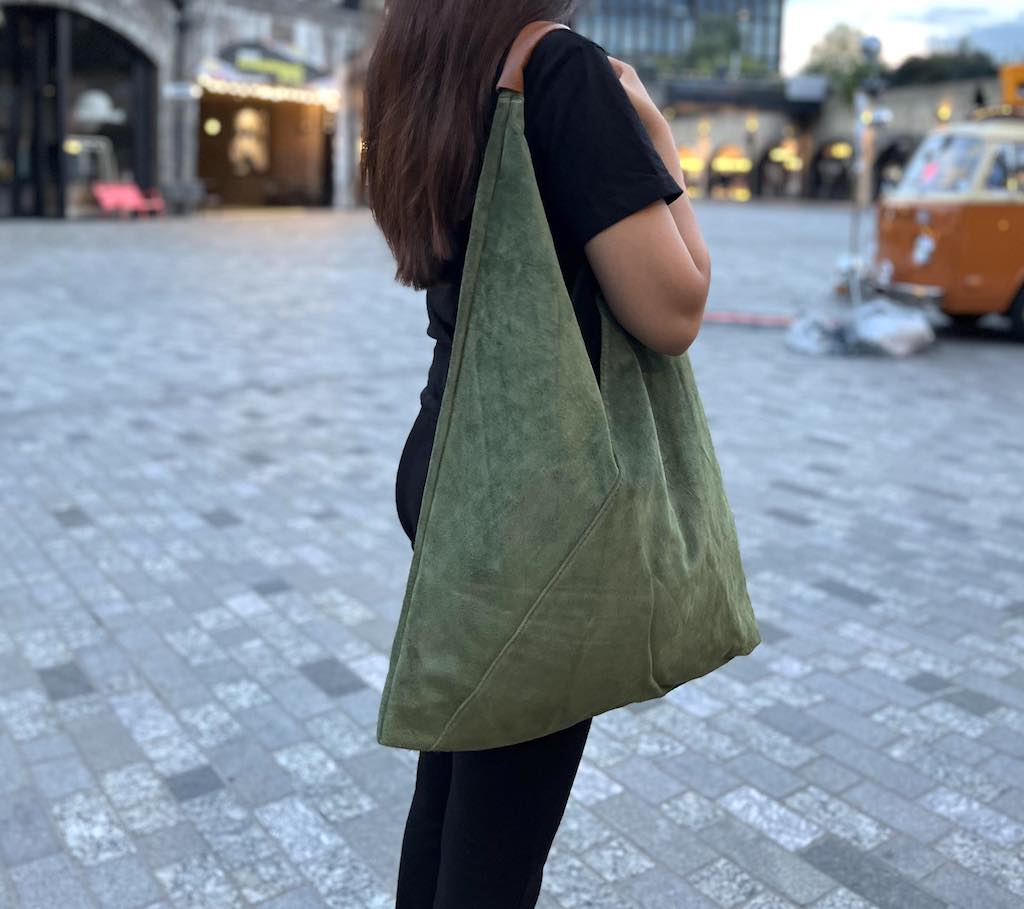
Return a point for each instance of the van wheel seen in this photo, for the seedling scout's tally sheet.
(1017, 316)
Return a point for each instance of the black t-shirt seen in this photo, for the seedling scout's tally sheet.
(595, 164)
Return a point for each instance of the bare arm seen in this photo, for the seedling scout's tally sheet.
(653, 266)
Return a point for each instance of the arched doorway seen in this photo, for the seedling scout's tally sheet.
(77, 105)
(729, 174)
(780, 172)
(831, 174)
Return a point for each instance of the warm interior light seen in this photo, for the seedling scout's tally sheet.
(212, 127)
(325, 97)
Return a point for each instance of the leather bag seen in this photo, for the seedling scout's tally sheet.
(575, 551)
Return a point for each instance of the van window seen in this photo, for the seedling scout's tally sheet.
(1006, 172)
(944, 163)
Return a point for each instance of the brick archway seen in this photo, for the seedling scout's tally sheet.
(147, 24)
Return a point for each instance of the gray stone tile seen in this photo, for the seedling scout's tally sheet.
(867, 876)
(65, 681)
(25, 830)
(974, 701)
(194, 783)
(332, 677)
(960, 888)
(221, 517)
(50, 882)
(61, 777)
(929, 682)
(124, 883)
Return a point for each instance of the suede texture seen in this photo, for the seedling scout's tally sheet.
(575, 551)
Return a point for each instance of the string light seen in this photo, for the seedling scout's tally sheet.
(325, 97)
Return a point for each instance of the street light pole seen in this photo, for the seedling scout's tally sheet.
(864, 160)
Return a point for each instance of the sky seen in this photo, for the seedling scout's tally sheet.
(904, 26)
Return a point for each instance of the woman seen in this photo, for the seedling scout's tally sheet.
(481, 823)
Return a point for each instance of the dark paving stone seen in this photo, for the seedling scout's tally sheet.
(974, 701)
(271, 586)
(66, 681)
(193, 783)
(847, 592)
(1016, 610)
(867, 876)
(938, 493)
(827, 442)
(72, 517)
(332, 677)
(257, 458)
(192, 438)
(800, 489)
(790, 517)
(797, 724)
(829, 469)
(221, 517)
(326, 514)
(928, 682)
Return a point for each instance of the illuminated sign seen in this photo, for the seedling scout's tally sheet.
(269, 65)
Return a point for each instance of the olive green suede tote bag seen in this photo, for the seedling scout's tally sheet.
(575, 550)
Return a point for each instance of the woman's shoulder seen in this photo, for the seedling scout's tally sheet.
(564, 46)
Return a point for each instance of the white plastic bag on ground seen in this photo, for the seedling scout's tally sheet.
(818, 336)
(885, 327)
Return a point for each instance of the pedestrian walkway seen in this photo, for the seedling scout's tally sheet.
(201, 570)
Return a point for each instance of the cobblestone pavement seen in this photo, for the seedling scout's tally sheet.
(201, 571)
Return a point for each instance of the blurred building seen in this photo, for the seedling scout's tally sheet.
(642, 31)
(247, 102)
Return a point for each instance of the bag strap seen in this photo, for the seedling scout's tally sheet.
(519, 54)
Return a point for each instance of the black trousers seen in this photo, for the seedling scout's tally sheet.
(481, 823)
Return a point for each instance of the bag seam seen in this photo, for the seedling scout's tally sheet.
(534, 606)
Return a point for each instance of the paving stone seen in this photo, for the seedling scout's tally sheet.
(960, 888)
(929, 682)
(61, 777)
(332, 677)
(896, 811)
(867, 876)
(25, 830)
(65, 681)
(773, 819)
(974, 701)
(194, 783)
(50, 882)
(975, 816)
(123, 884)
(90, 828)
(781, 870)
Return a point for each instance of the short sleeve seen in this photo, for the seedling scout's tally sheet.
(594, 159)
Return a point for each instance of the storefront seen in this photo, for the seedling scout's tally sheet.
(206, 105)
(77, 105)
(266, 128)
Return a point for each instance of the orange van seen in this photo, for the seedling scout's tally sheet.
(952, 231)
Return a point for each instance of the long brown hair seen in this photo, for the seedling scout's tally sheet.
(429, 89)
